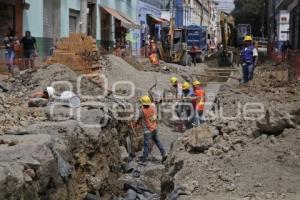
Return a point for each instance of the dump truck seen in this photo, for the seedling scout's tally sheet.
(197, 35)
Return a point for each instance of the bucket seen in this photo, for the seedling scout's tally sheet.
(71, 99)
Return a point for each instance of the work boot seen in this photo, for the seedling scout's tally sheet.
(164, 158)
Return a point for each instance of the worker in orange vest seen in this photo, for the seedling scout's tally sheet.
(198, 102)
(148, 118)
(153, 57)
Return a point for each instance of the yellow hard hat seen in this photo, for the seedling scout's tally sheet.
(248, 38)
(186, 85)
(173, 80)
(145, 100)
(195, 83)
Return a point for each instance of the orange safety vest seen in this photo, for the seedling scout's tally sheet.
(200, 98)
(154, 59)
(150, 117)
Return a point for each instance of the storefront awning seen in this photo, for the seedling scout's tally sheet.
(155, 19)
(11, 2)
(125, 21)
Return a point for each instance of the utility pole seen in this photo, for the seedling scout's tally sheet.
(83, 16)
(201, 18)
(263, 21)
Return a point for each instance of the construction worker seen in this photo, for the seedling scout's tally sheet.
(175, 97)
(148, 118)
(186, 111)
(249, 56)
(177, 86)
(198, 102)
(153, 57)
(193, 53)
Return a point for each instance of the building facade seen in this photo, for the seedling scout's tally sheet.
(118, 23)
(194, 12)
(284, 20)
(280, 31)
(49, 20)
(149, 13)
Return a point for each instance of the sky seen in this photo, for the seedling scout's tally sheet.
(226, 5)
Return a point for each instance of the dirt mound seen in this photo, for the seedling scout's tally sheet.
(122, 71)
(58, 152)
(255, 158)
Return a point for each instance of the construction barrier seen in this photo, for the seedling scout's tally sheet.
(275, 54)
(294, 61)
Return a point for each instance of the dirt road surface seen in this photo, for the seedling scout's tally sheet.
(50, 155)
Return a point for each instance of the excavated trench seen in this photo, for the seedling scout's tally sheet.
(48, 153)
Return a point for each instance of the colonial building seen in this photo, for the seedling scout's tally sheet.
(106, 20)
(289, 10)
(284, 21)
(149, 13)
(194, 12)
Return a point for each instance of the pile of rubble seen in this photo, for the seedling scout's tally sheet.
(235, 157)
(48, 152)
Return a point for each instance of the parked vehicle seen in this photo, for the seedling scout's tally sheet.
(197, 35)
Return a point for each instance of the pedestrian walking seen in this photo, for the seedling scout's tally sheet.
(10, 42)
(284, 50)
(148, 119)
(29, 49)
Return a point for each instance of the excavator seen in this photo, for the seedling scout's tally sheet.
(173, 46)
(225, 57)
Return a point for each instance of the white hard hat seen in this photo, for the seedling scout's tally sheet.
(50, 91)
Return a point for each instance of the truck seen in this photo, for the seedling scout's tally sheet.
(197, 35)
(176, 44)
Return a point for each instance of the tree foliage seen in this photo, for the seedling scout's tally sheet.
(253, 12)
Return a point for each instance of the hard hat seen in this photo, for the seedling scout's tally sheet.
(186, 85)
(50, 91)
(248, 38)
(195, 83)
(145, 100)
(173, 80)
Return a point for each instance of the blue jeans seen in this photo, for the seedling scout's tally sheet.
(154, 137)
(10, 56)
(198, 118)
(248, 69)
